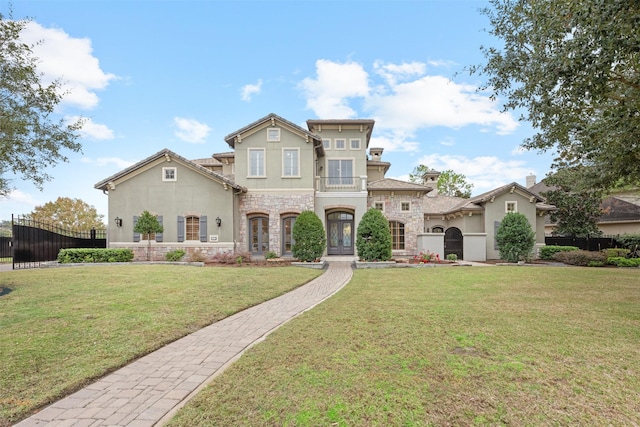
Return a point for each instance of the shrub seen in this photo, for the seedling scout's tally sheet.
(452, 257)
(547, 252)
(373, 237)
(197, 256)
(629, 241)
(176, 255)
(231, 257)
(580, 257)
(616, 252)
(270, 255)
(309, 237)
(514, 237)
(148, 223)
(68, 256)
(624, 262)
(425, 257)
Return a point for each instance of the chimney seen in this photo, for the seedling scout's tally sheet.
(430, 179)
(531, 180)
(376, 154)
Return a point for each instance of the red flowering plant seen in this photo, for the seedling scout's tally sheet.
(426, 257)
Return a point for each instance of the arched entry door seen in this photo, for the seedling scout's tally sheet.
(340, 233)
(453, 242)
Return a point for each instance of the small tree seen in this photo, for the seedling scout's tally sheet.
(515, 237)
(148, 224)
(373, 237)
(309, 237)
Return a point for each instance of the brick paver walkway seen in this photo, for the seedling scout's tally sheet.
(148, 391)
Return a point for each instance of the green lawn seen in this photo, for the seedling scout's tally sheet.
(518, 346)
(61, 328)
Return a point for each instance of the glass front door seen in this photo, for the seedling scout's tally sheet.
(340, 233)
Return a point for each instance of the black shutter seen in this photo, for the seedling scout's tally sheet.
(159, 236)
(203, 228)
(180, 229)
(136, 236)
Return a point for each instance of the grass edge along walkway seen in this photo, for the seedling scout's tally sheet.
(153, 387)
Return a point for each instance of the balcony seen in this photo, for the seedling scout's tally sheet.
(341, 184)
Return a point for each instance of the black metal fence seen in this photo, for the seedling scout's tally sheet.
(35, 242)
(584, 243)
(5, 246)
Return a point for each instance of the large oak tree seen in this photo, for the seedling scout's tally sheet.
(574, 68)
(72, 214)
(31, 138)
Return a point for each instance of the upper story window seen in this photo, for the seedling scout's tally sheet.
(257, 162)
(169, 174)
(290, 162)
(340, 172)
(379, 206)
(510, 207)
(405, 206)
(355, 144)
(341, 144)
(273, 134)
(326, 143)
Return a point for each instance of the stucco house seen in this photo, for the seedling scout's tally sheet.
(247, 199)
(620, 212)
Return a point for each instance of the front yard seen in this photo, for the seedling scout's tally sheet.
(445, 346)
(61, 328)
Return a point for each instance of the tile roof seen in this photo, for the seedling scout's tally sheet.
(397, 185)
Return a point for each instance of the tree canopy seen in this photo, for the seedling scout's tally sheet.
(65, 212)
(30, 137)
(577, 203)
(148, 224)
(449, 182)
(574, 68)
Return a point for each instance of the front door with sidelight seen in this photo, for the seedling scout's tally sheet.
(340, 233)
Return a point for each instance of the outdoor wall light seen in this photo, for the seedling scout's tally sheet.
(218, 221)
(118, 222)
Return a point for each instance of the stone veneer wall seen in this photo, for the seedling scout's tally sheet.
(195, 251)
(413, 219)
(275, 205)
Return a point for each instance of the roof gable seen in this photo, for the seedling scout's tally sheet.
(167, 156)
(273, 120)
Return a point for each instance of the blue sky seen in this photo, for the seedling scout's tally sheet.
(183, 74)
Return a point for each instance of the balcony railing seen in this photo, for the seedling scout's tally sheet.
(341, 183)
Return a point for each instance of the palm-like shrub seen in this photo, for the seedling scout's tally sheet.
(515, 237)
(309, 237)
(373, 237)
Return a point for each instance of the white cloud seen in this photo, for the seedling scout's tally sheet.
(448, 142)
(403, 102)
(394, 142)
(69, 59)
(394, 72)
(190, 130)
(249, 90)
(484, 172)
(23, 198)
(91, 129)
(519, 150)
(106, 161)
(328, 94)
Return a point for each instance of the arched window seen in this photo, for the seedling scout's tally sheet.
(192, 227)
(437, 230)
(397, 235)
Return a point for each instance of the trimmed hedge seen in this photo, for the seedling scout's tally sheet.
(548, 252)
(581, 258)
(624, 262)
(616, 252)
(373, 240)
(309, 237)
(68, 256)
